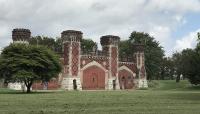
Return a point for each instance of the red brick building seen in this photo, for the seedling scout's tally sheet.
(99, 69)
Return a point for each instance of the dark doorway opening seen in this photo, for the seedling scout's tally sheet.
(74, 84)
(114, 84)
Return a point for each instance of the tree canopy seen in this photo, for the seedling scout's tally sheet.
(28, 63)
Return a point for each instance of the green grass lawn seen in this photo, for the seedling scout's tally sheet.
(166, 98)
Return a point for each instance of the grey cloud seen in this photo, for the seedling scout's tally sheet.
(93, 17)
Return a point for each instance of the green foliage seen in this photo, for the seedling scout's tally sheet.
(56, 44)
(27, 63)
(153, 52)
(49, 42)
(87, 45)
(44, 41)
(167, 69)
(125, 48)
(187, 63)
(153, 84)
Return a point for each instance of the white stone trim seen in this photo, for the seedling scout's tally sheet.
(93, 63)
(110, 56)
(79, 61)
(21, 42)
(129, 63)
(67, 83)
(17, 86)
(70, 59)
(127, 69)
(142, 83)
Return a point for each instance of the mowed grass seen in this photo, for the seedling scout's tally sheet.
(167, 97)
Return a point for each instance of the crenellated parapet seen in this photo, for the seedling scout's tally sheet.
(71, 35)
(110, 40)
(20, 35)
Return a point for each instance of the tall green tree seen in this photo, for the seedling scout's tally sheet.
(187, 63)
(28, 63)
(153, 52)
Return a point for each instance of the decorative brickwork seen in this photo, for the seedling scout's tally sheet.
(66, 53)
(88, 59)
(130, 65)
(114, 61)
(75, 58)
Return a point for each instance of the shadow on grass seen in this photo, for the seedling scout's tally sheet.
(191, 96)
(8, 91)
(194, 88)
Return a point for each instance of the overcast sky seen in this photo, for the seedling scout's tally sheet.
(174, 23)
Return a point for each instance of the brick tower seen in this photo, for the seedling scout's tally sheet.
(110, 46)
(71, 74)
(140, 64)
(20, 35)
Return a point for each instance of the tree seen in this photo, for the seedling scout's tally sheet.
(58, 45)
(28, 63)
(44, 41)
(167, 69)
(190, 65)
(153, 52)
(87, 45)
(187, 63)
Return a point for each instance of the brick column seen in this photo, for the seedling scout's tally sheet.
(140, 64)
(110, 46)
(71, 72)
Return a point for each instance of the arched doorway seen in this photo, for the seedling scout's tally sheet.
(126, 79)
(93, 78)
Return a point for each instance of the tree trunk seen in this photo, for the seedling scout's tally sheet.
(28, 89)
(178, 78)
(28, 86)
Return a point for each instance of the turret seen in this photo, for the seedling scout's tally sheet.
(110, 46)
(72, 49)
(71, 35)
(20, 35)
(140, 64)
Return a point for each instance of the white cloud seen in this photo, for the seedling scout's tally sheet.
(177, 6)
(162, 33)
(188, 41)
(95, 17)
